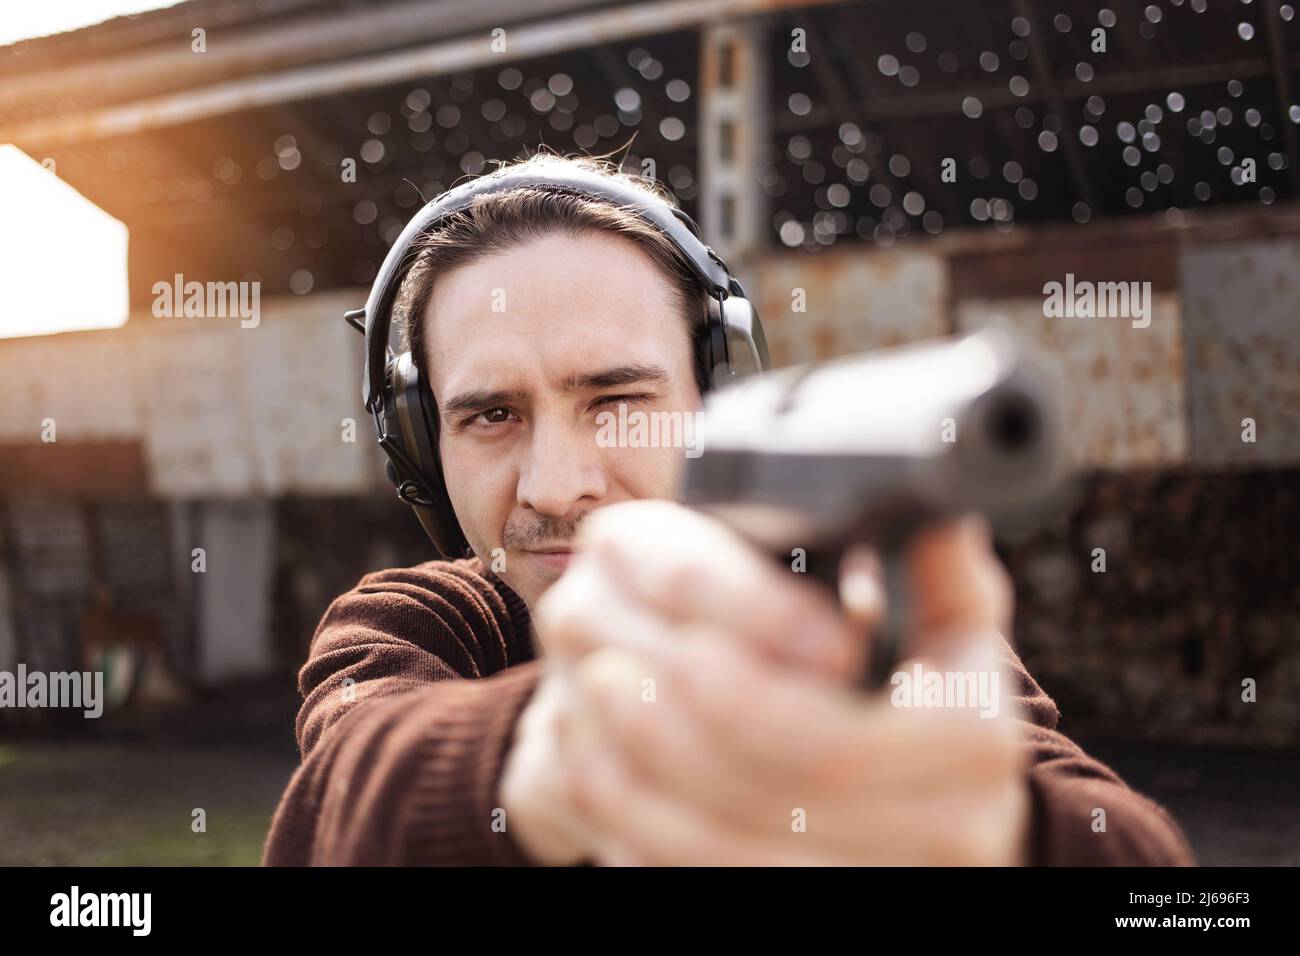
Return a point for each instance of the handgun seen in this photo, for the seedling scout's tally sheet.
(872, 448)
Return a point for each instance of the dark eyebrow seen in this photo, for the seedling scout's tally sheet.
(618, 375)
(478, 400)
(481, 399)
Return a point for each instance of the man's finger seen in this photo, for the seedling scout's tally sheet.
(636, 821)
(667, 798)
(772, 726)
(957, 590)
(588, 608)
(719, 579)
(643, 711)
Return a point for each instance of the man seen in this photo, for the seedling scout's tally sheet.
(614, 679)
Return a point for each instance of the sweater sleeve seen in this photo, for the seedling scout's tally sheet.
(1067, 788)
(411, 693)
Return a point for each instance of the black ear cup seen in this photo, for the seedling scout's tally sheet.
(415, 466)
(454, 541)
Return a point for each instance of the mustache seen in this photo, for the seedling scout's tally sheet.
(543, 529)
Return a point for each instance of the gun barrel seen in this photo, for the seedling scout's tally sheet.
(875, 445)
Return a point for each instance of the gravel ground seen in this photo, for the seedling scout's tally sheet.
(130, 802)
(132, 805)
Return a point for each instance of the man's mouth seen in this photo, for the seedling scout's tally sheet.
(553, 559)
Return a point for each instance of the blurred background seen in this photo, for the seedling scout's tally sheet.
(916, 167)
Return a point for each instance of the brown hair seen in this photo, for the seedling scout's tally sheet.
(498, 221)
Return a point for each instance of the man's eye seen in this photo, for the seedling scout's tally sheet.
(496, 416)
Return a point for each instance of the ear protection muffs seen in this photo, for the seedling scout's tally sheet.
(730, 345)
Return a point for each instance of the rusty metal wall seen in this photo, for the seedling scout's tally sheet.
(1122, 386)
(227, 412)
(221, 410)
(1242, 319)
(1222, 344)
(852, 300)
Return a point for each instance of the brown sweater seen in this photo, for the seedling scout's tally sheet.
(414, 683)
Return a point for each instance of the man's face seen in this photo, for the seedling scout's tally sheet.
(525, 349)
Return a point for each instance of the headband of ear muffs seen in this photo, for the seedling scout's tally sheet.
(731, 344)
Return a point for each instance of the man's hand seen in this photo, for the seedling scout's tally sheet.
(794, 626)
(535, 789)
(701, 710)
(738, 763)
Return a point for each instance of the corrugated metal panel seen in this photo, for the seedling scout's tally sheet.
(51, 579)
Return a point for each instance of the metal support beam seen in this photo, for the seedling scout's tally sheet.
(733, 110)
(164, 61)
(524, 42)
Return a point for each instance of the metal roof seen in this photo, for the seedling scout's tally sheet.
(1039, 127)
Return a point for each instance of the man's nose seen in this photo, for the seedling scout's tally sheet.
(564, 472)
